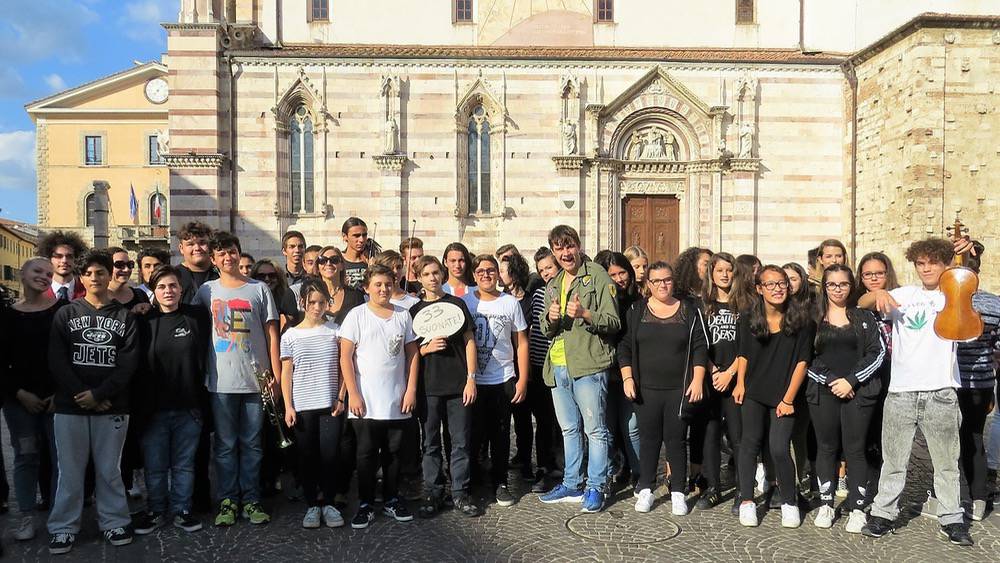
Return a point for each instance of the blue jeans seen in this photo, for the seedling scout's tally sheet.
(168, 448)
(29, 433)
(582, 402)
(239, 423)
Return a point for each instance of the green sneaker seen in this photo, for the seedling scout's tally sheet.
(254, 512)
(227, 513)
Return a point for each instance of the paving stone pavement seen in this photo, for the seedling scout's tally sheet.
(530, 532)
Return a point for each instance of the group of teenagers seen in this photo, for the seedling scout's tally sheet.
(809, 380)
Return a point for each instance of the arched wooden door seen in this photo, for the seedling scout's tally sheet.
(652, 222)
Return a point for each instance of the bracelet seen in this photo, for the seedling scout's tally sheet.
(784, 402)
(627, 378)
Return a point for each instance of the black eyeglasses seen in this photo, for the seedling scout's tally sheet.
(323, 260)
(834, 286)
(772, 285)
(873, 275)
(124, 264)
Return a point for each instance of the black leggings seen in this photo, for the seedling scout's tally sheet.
(538, 403)
(975, 406)
(758, 420)
(317, 436)
(379, 445)
(659, 424)
(841, 424)
(722, 411)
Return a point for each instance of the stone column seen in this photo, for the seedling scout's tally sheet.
(390, 200)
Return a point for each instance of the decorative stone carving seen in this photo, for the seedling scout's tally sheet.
(746, 140)
(652, 143)
(391, 135)
(389, 162)
(650, 187)
(655, 87)
(195, 160)
(163, 142)
(569, 138)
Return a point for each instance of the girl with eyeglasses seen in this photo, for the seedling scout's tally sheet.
(662, 359)
(776, 341)
(843, 391)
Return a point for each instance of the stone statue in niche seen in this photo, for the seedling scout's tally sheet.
(635, 149)
(163, 142)
(652, 143)
(391, 134)
(569, 137)
(746, 140)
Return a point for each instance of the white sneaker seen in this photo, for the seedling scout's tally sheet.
(856, 521)
(678, 504)
(645, 502)
(790, 517)
(978, 510)
(332, 517)
(312, 518)
(25, 529)
(759, 477)
(824, 517)
(841, 487)
(748, 515)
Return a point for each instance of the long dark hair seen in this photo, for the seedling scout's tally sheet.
(709, 290)
(687, 281)
(608, 258)
(824, 299)
(517, 269)
(743, 296)
(459, 247)
(805, 293)
(281, 286)
(891, 281)
(795, 316)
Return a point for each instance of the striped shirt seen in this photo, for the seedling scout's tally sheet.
(315, 355)
(538, 343)
(975, 358)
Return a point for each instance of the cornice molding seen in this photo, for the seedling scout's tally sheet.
(390, 162)
(215, 160)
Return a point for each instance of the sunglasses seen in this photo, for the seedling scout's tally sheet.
(323, 260)
(124, 264)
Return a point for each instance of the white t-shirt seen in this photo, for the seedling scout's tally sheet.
(921, 360)
(496, 322)
(406, 301)
(380, 359)
(315, 355)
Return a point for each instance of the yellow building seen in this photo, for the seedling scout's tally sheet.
(17, 244)
(110, 130)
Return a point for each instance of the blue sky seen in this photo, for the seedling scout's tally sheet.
(50, 45)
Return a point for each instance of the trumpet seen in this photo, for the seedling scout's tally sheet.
(272, 410)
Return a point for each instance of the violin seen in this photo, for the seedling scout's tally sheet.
(958, 321)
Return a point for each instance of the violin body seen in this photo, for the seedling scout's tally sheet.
(958, 321)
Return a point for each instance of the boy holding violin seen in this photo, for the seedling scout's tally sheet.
(922, 393)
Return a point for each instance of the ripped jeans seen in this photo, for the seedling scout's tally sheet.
(29, 433)
(581, 403)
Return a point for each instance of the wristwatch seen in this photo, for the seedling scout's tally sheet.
(472, 376)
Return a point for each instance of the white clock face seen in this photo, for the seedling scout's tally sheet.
(157, 91)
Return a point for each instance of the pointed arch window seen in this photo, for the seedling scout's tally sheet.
(90, 205)
(157, 209)
(301, 161)
(479, 162)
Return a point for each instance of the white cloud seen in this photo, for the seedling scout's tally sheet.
(142, 18)
(17, 161)
(39, 29)
(55, 82)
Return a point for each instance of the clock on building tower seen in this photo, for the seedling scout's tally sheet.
(157, 90)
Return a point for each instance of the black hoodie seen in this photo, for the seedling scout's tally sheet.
(93, 349)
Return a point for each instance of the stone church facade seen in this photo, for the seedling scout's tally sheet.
(766, 138)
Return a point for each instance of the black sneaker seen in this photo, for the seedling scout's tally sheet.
(147, 522)
(397, 510)
(541, 484)
(429, 507)
(877, 527)
(61, 543)
(187, 522)
(504, 498)
(464, 503)
(364, 516)
(118, 536)
(708, 499)
(736, 505)
(957, 534)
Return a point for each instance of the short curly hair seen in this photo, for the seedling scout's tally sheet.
(934, 248)
(52, 240)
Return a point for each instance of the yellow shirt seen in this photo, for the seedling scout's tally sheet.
(557, 352)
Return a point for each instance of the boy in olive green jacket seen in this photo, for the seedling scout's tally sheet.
(581, 318)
